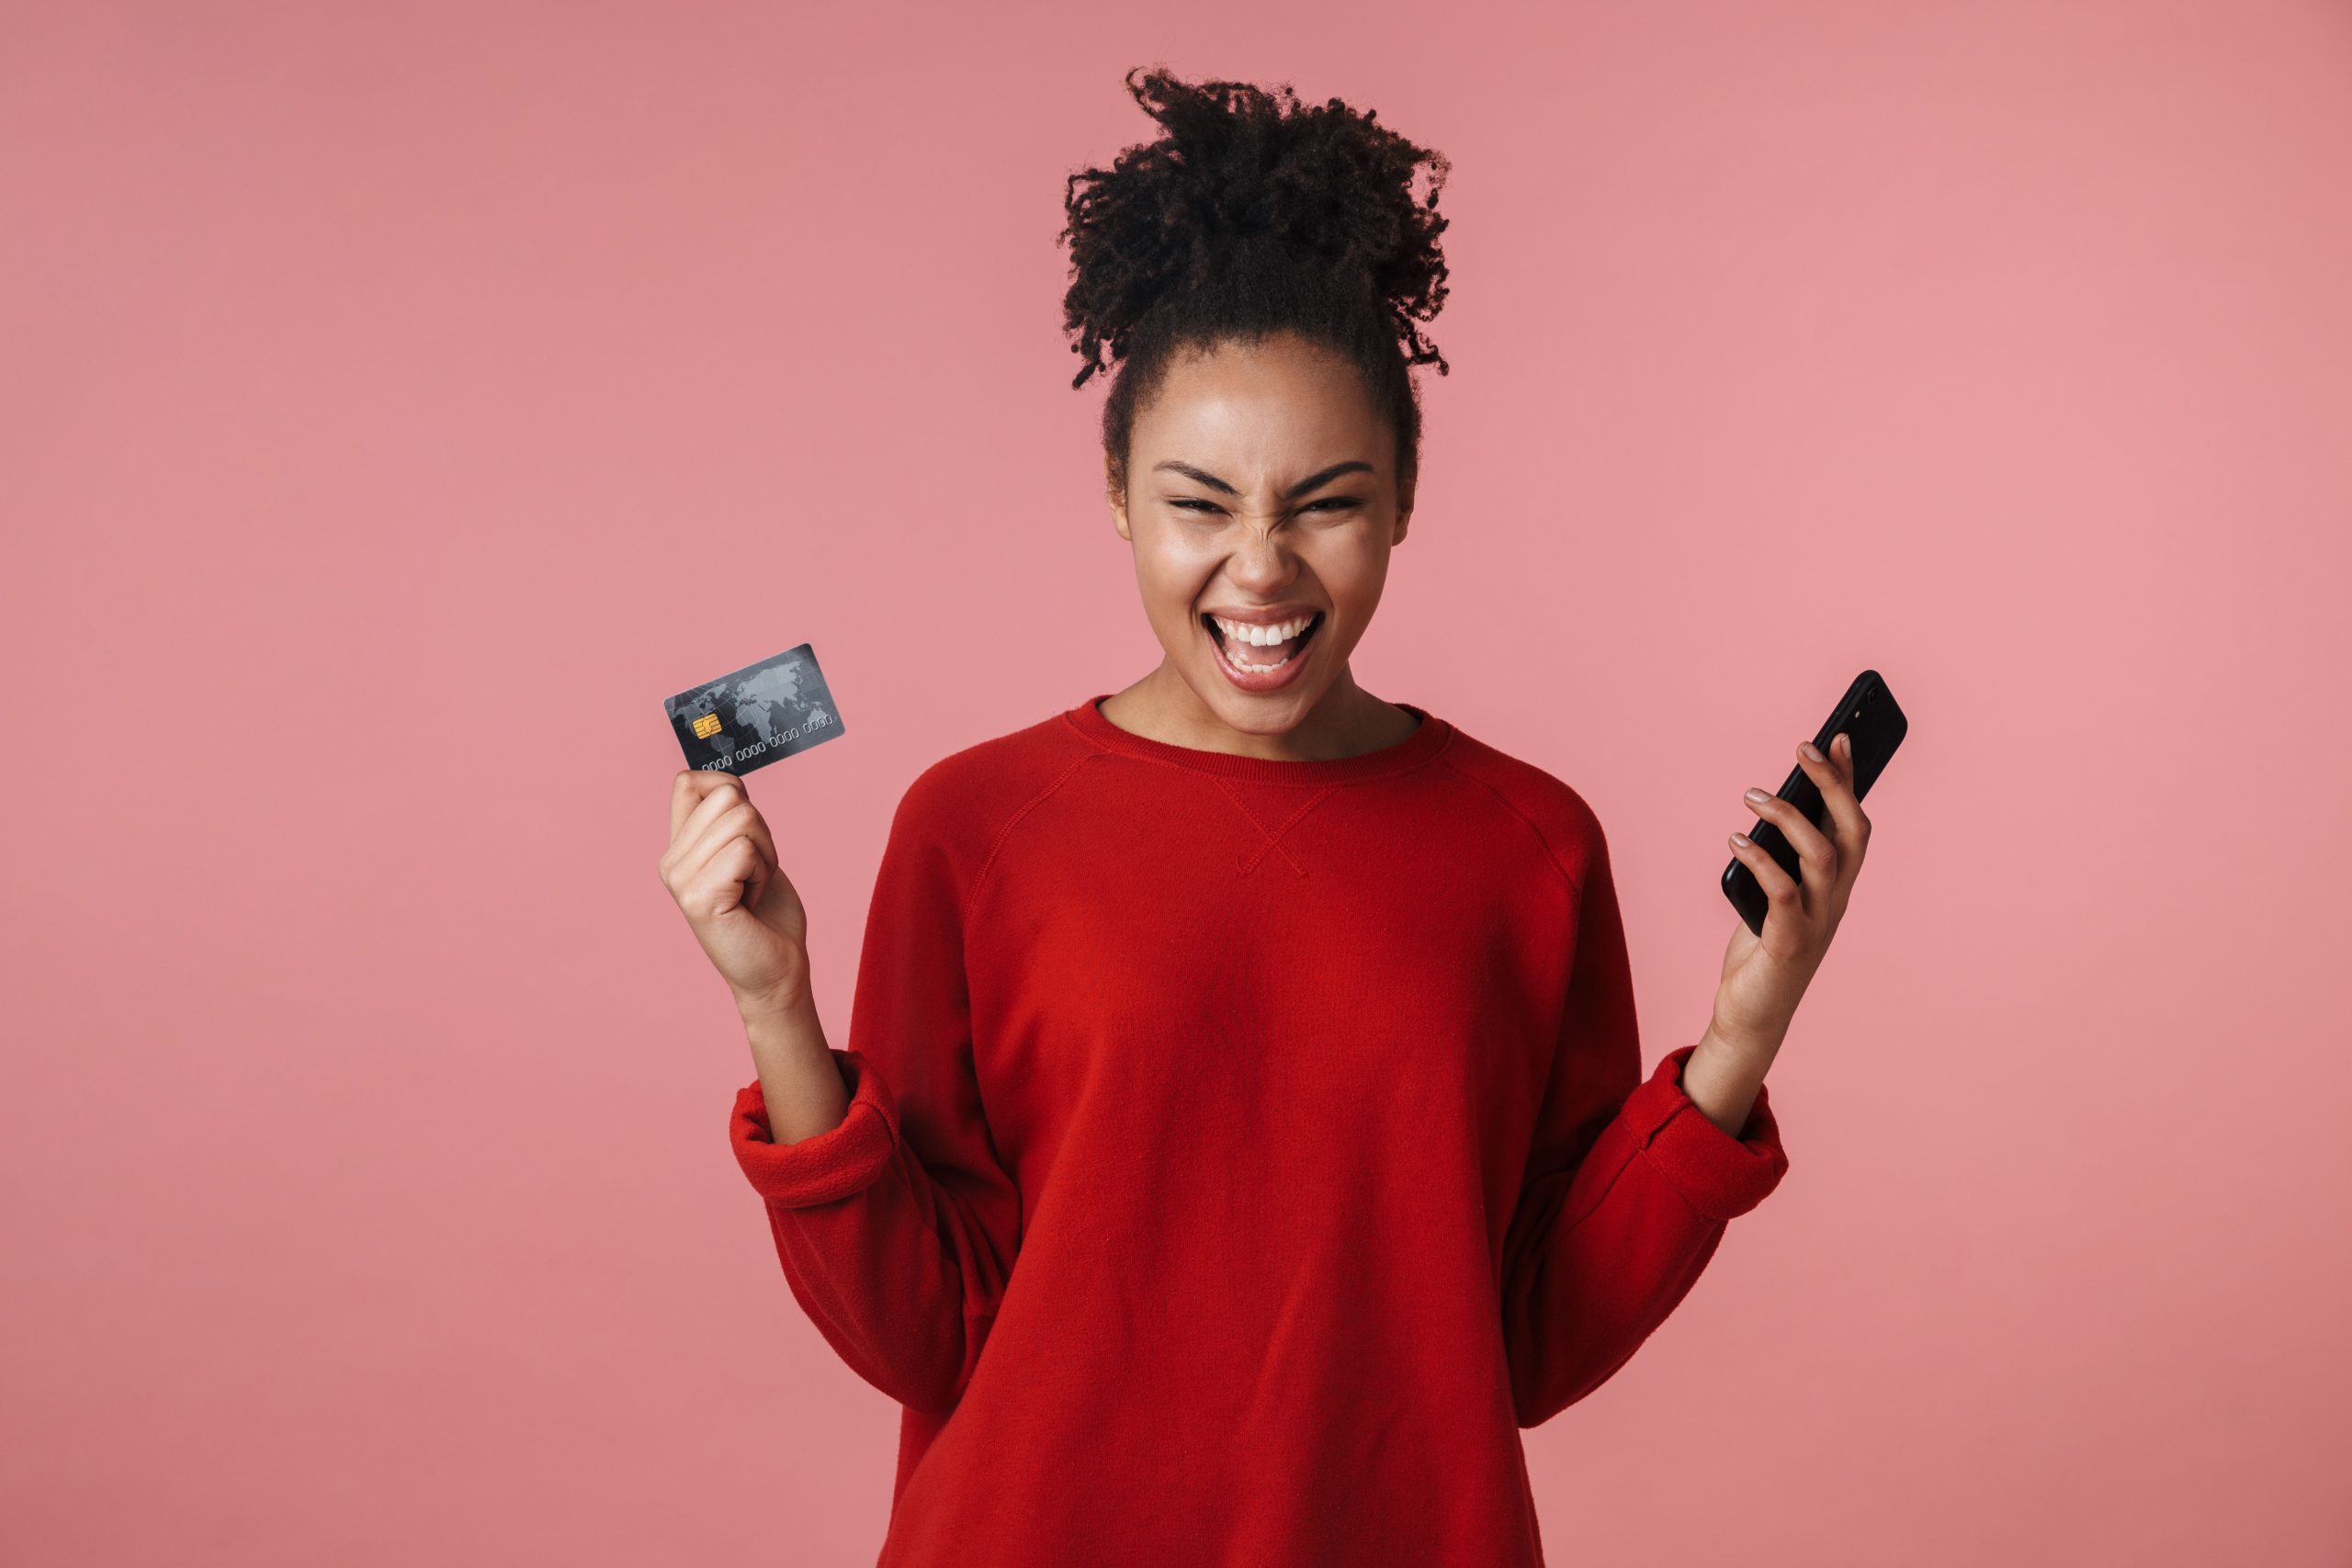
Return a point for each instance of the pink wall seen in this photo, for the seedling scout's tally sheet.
(398, 402)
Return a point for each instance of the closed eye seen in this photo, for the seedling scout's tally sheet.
(1195, 503)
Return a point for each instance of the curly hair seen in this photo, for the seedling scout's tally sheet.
(1251, 215)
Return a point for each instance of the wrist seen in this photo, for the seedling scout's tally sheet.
(787, 1005)
(1739, 1044)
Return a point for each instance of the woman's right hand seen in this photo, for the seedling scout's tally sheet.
(721, 868)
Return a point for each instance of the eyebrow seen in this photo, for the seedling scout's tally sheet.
(1311, 481)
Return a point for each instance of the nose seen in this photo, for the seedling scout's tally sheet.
(1261, 565)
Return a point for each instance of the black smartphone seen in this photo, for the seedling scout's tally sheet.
(1870, 717)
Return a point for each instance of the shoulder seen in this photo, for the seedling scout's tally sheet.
(1552, 810)
(968, 796)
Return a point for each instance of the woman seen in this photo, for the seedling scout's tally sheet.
(1242, 1134)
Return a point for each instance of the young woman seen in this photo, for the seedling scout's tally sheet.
(1243, 1132)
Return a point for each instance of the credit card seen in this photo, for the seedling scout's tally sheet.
(751, 716)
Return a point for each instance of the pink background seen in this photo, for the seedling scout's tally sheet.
(399, 402)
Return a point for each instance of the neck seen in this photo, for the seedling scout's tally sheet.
(1345, 720)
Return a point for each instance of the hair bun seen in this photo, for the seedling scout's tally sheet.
(1243, 179)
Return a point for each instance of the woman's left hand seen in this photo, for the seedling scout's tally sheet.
(1764, 977)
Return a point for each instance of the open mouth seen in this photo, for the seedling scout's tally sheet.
(1261, 656)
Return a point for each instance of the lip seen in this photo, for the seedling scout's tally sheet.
(1271, 680)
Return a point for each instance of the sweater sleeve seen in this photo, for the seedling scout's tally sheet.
(897, 1228)
(1628, 1187)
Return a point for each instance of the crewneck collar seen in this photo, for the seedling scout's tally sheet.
(1416, 749)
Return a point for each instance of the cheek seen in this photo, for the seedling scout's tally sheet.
(1168, 594)
(1354, 574)
(1169, 573)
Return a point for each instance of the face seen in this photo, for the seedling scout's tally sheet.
(1261, 486)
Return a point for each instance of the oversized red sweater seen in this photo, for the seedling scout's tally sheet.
(1239, 1153)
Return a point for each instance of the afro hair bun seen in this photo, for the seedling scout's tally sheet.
(1245, 185)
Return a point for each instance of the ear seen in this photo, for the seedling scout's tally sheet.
(1404, 516)
(1116, 496)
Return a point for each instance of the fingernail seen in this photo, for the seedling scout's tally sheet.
(1758, 795)
(1812, 752)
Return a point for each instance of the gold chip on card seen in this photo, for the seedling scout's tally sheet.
(708, 725)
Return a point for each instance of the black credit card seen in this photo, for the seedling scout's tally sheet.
(753, 716)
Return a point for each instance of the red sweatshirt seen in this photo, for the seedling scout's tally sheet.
(1239, 1153)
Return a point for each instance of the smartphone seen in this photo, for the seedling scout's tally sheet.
(1870, 717)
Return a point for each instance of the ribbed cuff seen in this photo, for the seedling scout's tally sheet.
(1722, 1177)
(835, 1163)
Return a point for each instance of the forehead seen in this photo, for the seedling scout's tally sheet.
(1276, 403)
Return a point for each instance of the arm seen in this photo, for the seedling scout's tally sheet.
(1724, 1080)
(797, 1069)
(1629, 1184)
(897, 1227)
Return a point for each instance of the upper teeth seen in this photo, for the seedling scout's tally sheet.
(1242, 631)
